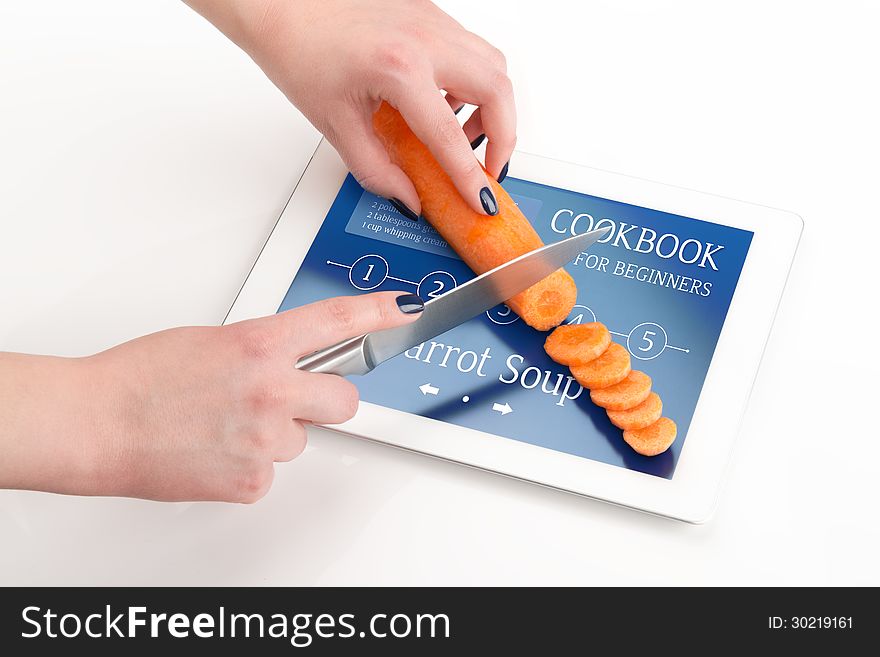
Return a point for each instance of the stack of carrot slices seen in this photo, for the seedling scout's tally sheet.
(604, 368)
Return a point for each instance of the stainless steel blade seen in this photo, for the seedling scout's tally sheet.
(476, 296)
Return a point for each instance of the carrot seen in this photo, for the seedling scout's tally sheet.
(482, 242)
(487, 242)
(611, 367)
(638, 417)
(632, 391)
(577, 344)
(605, 368)
(653, 439)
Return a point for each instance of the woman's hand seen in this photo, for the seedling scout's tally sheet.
(198, 413)
(337, 59)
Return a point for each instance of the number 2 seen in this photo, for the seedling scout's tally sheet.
(438, 290)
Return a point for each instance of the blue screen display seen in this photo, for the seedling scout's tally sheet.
(660, 282)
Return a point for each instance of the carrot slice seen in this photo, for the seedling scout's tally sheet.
(653, 439)
(638, 417)
(632, 391)
(547, 302)
(577, 344)
(482, 242)
(611, 367)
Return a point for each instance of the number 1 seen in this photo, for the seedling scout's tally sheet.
(369, 271)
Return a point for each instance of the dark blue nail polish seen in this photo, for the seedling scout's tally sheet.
(503, 174)
(476, 142)
(410, 304)
(402, 208)
(487, 198)
(460, 107)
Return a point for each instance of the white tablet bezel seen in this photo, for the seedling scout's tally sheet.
(691, 493)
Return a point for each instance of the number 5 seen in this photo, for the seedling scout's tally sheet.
(648, 340)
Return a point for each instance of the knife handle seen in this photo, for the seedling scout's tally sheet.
(344, 358)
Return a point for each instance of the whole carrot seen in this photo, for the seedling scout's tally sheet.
(483, 242)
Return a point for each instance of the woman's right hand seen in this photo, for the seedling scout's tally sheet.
(197, 413)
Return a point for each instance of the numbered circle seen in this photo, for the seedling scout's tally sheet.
(581, 314)
(435, 284)
(647, 341)
(368, 272)
(502, 315)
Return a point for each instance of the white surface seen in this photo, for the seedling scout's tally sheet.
(692, 492)
(156, 158)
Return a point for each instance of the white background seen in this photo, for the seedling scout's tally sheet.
(144, 160)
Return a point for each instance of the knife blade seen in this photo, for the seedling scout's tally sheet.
(361, 354)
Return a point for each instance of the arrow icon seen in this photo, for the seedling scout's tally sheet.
(503, 409)
(428, 389)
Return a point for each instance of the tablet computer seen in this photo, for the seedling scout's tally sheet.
(688, 282)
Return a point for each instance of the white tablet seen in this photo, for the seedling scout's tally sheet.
(689, 283)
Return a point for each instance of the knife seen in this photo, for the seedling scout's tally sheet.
(361, 354)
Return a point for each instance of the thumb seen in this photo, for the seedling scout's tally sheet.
(321, 324)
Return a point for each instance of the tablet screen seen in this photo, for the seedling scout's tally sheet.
(662, 284)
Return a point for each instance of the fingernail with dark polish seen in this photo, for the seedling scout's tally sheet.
(410, 304)
(460, 107)
(403, 209)
(476, 142)
(503, 174)
(487, 198)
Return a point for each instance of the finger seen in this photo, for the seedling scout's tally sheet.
(473, 129)
(499, 125)
(454, 103)
(487, 51)
(323, 398)
(292, 441)
(431, 119)
(253, 485)
(369, 163)
(309, 328)
(480, 83)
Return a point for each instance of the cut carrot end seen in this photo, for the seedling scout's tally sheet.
(654, 439)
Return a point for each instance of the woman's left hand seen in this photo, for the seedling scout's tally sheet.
(336, 60)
